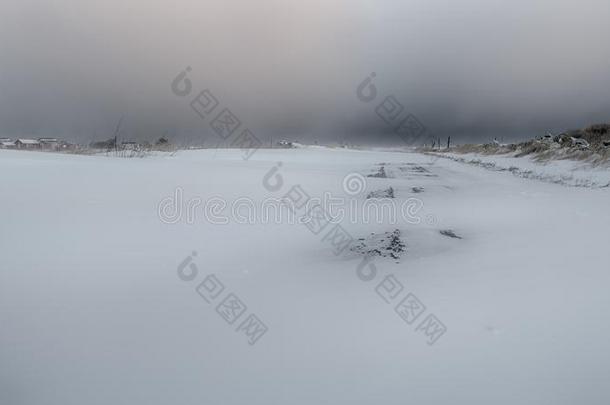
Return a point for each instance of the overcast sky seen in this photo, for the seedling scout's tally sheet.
(473, 68)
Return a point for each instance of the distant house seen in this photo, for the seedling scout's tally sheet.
(67, 146)
(284, 144)
(6, 143)
(24, 143)
(130, 146)
(49, 143)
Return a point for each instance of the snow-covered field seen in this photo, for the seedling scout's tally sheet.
(93, 311)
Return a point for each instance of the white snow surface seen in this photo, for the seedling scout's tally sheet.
(92, 310)
(561, 171)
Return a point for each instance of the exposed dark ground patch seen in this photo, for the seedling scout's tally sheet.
(380, 174)
(388, 244)
(450, 233)
(387, 193)
(416, 170)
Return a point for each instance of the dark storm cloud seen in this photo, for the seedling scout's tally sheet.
(475, 68)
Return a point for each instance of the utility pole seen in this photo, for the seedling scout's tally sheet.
(116, 133)
(448, 142)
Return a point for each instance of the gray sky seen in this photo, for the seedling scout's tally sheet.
(474, 68)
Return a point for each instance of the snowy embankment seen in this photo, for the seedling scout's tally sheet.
(99, 297)
(566, 172)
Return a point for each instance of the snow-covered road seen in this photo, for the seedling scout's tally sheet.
(93, 311)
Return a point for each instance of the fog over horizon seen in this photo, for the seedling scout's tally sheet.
(473, 69)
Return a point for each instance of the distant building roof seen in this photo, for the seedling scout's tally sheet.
(7, 143)
(27, 141)
(48, 139)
